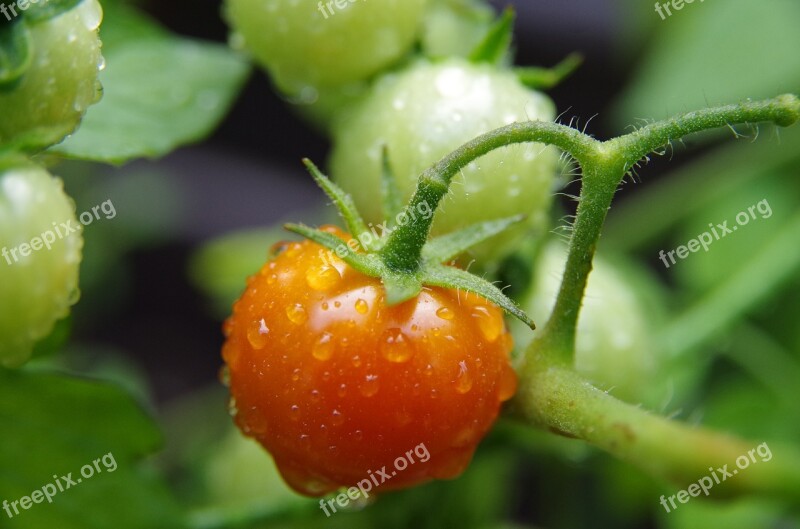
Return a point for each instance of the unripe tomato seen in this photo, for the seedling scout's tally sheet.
(61, 82)
(308, 45)
(40, 254)
(614, 345)
(425, 112)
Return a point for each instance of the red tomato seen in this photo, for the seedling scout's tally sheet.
(338, 386)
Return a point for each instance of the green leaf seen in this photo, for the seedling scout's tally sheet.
(47, 9)
(343, 202)
(494, 48)
(447, 247)
(15, 52)
(674, 77)
(159, 94)
(450, 277)
(55, 425)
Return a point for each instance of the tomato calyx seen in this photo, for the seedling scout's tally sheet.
(401, 255)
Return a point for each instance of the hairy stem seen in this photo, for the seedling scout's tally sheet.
(403, 249)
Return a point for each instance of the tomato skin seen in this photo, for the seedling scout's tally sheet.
(335, 384)
(426, 111)
(36, 289)
(61, 83)
(308, 48)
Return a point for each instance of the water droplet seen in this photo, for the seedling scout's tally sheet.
(445, 313)
(322, 277)
(428, 370)
(91, 14)
(337, 304)
(315, 396)
(325, 305)
(232, 409)
(342, 391)
(395, 346)
(257, 334)
(296, 374)
(294, 412)
(464, 379)
(358, 435)
(338, 418)
(508, 384)
(370, 386)
(361, 306)
(323, 349)
(356, 361)
(296, 314)
(271, 279)
(491, 325)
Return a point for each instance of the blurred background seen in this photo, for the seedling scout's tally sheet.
(155, 281)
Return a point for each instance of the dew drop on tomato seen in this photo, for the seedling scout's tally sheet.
(395, 346)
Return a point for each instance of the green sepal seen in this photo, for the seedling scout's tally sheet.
(366, 264)
(496, 45)
(400, 287)
(47, 9)
(446, 247)
(343, 202)
(543, 78)
(451, 277)
(390, 192)
(15, 52)
(403, 285)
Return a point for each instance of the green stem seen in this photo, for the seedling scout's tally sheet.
(783, 110)
(404, 247)
(599, 184)
(558, 399)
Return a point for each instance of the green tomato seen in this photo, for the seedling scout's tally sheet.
(455, 27)
(40, 254)
(614, 347)
(308, 45)
(61, 82)
(425, 112)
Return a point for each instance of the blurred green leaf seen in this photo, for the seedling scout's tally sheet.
(191, 82)
(715, 52)
(60, 424)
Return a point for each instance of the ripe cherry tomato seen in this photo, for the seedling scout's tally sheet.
(338, 385)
